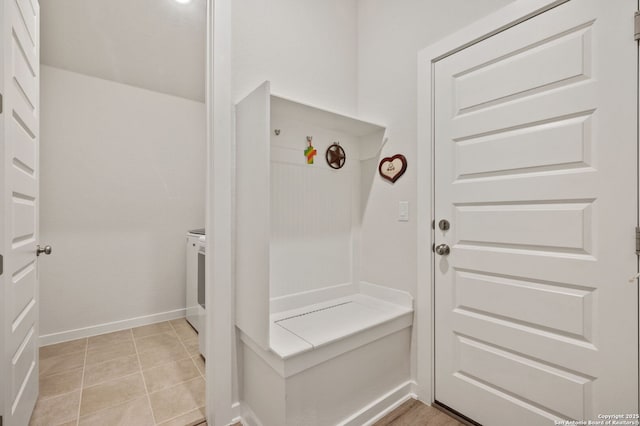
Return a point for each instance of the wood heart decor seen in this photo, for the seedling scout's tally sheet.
(391, 168)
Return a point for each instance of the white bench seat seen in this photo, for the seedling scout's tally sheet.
(308, 328)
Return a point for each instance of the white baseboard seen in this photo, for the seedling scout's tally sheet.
(381, 406)
(237, 414)
(94, 330)
(311, 297)
(248, 417)
(367, 416)
(388, 294)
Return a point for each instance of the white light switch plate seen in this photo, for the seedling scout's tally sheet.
(403, 211)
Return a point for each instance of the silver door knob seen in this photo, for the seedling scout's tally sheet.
(46, 250)
(443, 250)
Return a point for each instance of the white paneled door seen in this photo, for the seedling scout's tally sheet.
(19, 212)
(536, 171)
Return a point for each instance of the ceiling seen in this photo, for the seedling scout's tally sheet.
(154, 44)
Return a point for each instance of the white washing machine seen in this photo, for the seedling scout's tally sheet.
(202, 312)
(193, 247)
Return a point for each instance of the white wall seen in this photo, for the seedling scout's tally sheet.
(313, 210)
(158, 45)
(390, 34)
(306, 48)
(122, 179)
(354, 56)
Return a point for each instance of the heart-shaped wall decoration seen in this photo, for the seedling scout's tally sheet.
(391, 168)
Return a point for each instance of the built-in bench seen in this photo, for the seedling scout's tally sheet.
(333, 357)
(318, 345)
(335, 326)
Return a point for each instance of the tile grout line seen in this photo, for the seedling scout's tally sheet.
(108, 379)
(186, 412)
(45, 398)
(84, 367)
(194, 364)
(126, 375)
(140, 371)
(190, 356)
(187, 350)
(144, 382)
(169, 362)
(176, 385)
(59, 357)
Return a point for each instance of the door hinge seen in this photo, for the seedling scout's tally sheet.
(636, 25)
(1, 269)
(638, 240)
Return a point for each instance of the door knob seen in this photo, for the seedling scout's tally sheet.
(46, 250)
(443, 250)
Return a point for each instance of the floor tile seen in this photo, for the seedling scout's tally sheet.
(195, 417)
(170, 374)
(109, 339)
(192, 346)
(185, 331)
(63, 348)
(112, 369)
(157, 342)
(199, 361)
(177, 400)
(56, 410)
(60, 383)
(148, 330)
(132, 413)
(62, 363)
(109, 379)
(111, 393)
(110, 352)
(153, 358)
(179, 322)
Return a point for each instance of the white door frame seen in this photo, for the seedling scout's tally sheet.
(509, 16)
(220, 325)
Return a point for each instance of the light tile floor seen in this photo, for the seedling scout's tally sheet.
(151, 375)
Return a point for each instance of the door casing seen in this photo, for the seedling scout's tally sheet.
(507, 17)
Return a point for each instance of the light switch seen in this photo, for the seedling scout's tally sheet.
(403, 211)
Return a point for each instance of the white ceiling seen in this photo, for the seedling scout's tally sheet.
(154, 44)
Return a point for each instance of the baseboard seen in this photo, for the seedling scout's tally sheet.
(388, 294)
(94, 330)
(236, 412)
(367, 416)
(248, 417)
(381, 406)
(311, 297)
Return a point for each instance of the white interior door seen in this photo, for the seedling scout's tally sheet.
(19, 118)
(536, 170)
